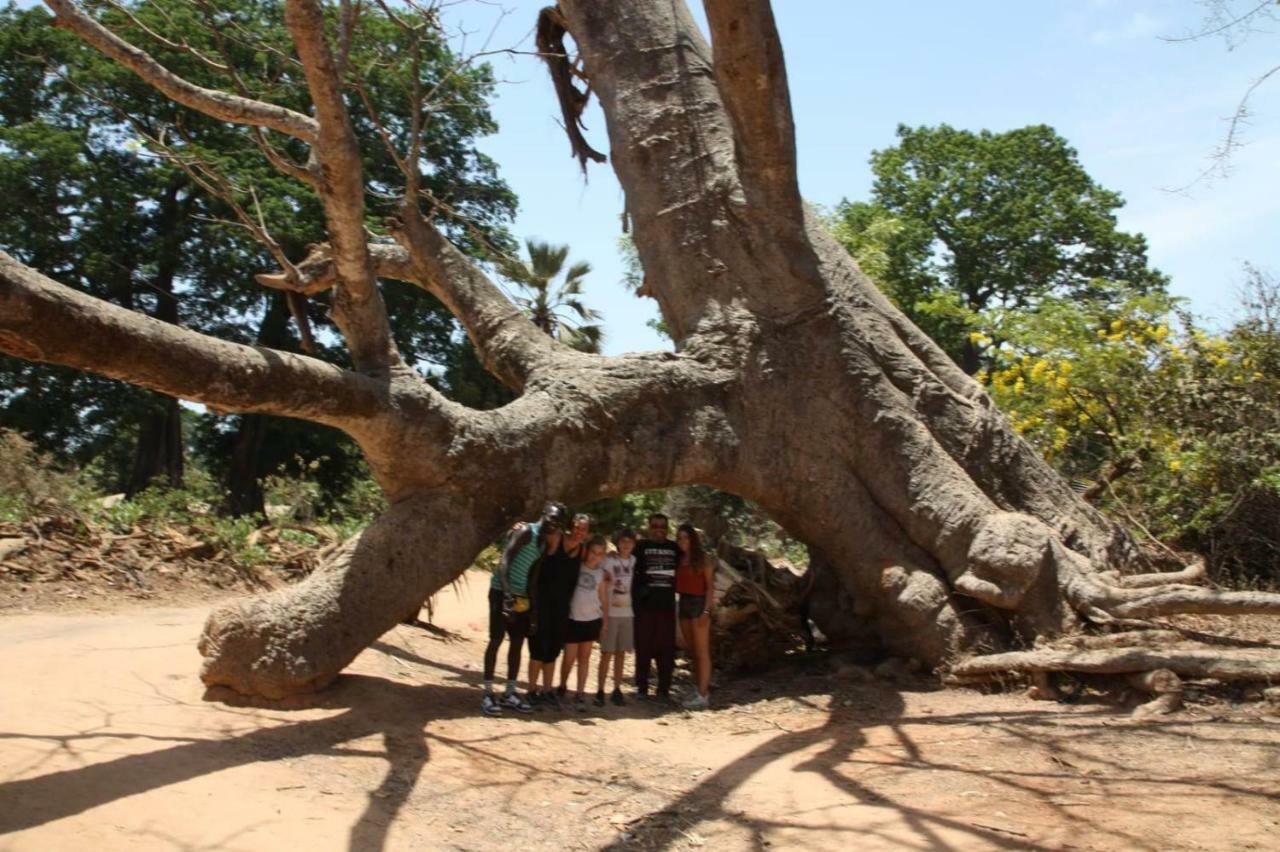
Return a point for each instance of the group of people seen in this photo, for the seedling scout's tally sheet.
(561, 589)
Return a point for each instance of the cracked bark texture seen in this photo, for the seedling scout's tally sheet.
(936, 531)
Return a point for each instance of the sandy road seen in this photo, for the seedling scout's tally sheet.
(108, 741)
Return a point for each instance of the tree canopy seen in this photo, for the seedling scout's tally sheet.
(960, 222)
(133, 198)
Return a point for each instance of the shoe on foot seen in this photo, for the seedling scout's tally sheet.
(617, 698)
(561, 690)
(696, 702)
(489, 705)
(599, 699)
(580, 704)
(514, 702)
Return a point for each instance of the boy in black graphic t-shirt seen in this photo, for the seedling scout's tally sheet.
(654, 601)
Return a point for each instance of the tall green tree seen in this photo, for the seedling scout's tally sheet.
(961, 222)
(132, 223)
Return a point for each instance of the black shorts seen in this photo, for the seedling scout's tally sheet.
(692, 606)
(584, 631)
(548, 640)
(514, 625)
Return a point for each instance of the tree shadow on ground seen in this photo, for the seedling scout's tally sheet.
(837, 748)
(834, 747)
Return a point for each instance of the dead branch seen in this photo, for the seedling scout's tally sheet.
(316, 272)
(551, 31)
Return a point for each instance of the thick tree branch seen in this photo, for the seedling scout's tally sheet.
(358, 308)
(673, 147)
(509, 345)
(221, 105)
(42, 320)
(752, 77)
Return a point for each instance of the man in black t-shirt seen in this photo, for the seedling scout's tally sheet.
(653, 593)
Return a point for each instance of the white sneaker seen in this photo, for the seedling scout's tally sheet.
(696, 702)
(516, 702)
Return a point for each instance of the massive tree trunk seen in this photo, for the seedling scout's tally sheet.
(796, 384)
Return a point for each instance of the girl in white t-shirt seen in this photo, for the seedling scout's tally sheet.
(588, 616)
(619, 636)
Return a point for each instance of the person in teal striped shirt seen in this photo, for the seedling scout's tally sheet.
(509, 606)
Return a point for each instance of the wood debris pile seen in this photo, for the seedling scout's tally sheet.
(761, 609)
(67, 549)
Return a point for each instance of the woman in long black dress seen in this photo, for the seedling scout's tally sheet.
(556, 578)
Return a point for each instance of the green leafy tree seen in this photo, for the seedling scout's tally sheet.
(144, 202)
(963, 222)
(1174, 428)
(556, 308)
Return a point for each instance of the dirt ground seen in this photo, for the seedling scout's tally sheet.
(108, 741)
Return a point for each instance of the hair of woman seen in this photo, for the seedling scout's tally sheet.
(697, 556)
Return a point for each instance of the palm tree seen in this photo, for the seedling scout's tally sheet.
(557, 310)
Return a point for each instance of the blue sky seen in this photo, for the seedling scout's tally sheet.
(1143, 113)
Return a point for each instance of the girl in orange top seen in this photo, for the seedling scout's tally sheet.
(696, 585)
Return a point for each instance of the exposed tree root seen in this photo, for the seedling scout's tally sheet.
(1193, 573)
(1164, 685)
(1219, 664)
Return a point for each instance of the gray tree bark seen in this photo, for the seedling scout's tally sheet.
(796, 384)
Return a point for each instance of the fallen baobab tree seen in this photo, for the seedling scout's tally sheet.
(796, 383)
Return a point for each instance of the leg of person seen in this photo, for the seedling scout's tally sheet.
(566, 667)
(686, 635)
(644, 651)
(625, 636)
(517, 631)
(602, 674)
(702, 635)
(548, 689)
(497, 628)
(584, 666)
(619, 661)
(665, 640)
(535, 672)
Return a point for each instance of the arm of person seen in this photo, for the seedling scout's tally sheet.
(709, 571)
(639, 580)
(605, 590)
(514, 543)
